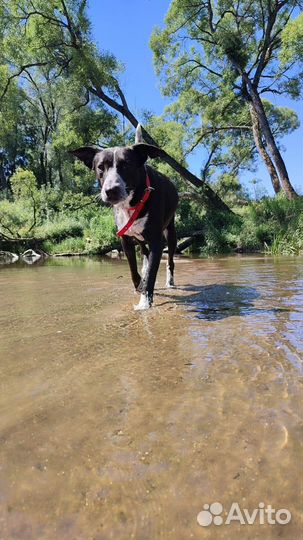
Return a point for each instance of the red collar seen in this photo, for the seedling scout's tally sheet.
(137, 209)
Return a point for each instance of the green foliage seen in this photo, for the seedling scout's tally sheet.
(190, 217)
(88, 234)
(229, 188)
(74, 223)
(290, 242)
(204, 54)
(274, 225)
(47, 109)
(292, 41)
(170, 136)
(15, 218)
(101, 230)
(24, 184)
(47, 63)
(271, 225)
(221, 233)
(282, 119)
(69, 245)
(59, 229)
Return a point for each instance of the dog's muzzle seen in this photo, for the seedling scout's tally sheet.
(113, 189)
(113, 195)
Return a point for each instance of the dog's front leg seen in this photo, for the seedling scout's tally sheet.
(154, 258)
(130, 252)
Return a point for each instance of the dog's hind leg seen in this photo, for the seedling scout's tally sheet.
(130, 252)
(171, 239)
(145, 255)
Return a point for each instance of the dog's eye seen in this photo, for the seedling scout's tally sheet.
(101, 167)
(123, 166)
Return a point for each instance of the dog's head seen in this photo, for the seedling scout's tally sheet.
(118, 170)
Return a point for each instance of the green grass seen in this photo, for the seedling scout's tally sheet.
(62, 227)
(68, 245)
(273, 225)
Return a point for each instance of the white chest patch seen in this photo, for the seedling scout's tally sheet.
(122, 216)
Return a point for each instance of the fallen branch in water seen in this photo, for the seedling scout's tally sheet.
(70, 254)
(188, 241)
(25, 239)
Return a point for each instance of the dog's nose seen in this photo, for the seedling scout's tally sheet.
(112, 193)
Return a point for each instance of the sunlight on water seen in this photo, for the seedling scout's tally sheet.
(116, 424)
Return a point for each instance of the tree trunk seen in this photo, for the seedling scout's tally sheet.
(262, 151)
(50, 175)
(270, 141)
(42, 180)
(257, 105)
(60, 171)
(3, 181)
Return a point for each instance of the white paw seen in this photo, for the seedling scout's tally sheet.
(145, 303)
(170, 284)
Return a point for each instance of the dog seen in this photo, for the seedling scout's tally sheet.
(144, 203)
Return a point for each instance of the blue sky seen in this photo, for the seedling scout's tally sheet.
(124, 28)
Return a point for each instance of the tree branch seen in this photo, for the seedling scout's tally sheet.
(18, 73)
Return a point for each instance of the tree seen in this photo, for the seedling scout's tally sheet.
(16, 132)
(225, 55)
(57, 34)
(44, 108)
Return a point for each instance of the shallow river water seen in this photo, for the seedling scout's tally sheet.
(116, 424)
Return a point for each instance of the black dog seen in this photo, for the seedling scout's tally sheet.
(144, 203)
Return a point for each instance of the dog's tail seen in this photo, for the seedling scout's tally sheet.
(139, 135)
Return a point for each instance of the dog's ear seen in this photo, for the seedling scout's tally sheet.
(86, 154)
(145, 151)
(139, 135)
